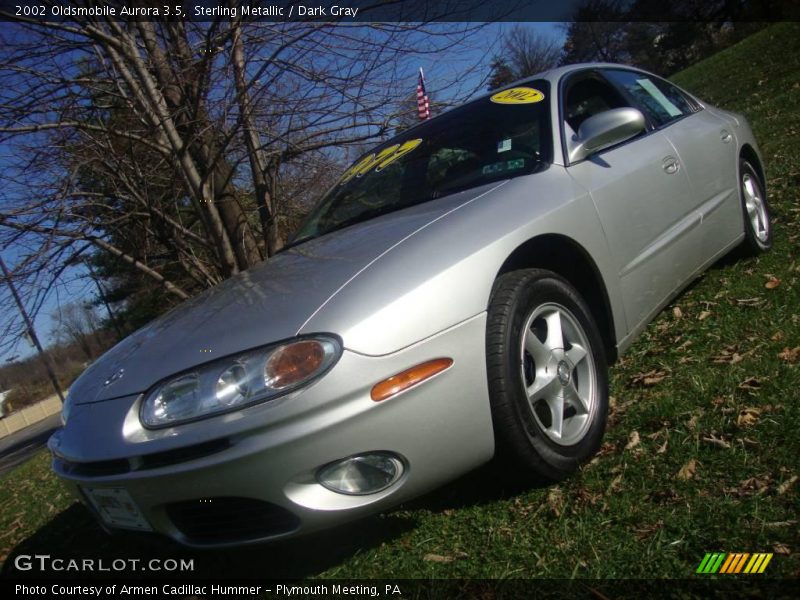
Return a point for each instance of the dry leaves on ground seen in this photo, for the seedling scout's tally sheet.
(446, 558)
(772, 283)
(751, 383)
(747, 416)
(633, 440)
(712, 439)
(703, 315)
(781, 549)
(752, 486)
(648, 530)
(555, 500)
(615, 485)
(691, 424)
(787, 485)
(728, 356)
(750, 301)
(649, 378)
(790, 355)
(688, 470)
(677, 312)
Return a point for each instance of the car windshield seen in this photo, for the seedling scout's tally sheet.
(498, 137)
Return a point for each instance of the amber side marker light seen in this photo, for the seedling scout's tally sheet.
(409, 378)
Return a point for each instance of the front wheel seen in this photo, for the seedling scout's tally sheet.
(757, 226)
(548, 376)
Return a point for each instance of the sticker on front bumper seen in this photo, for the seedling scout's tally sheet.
(117, 509)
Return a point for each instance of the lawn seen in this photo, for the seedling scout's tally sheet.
(702, 449)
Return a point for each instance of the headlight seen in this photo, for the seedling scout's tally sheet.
(238, 381)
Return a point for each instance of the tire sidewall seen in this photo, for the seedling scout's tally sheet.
(756, 245)
(558, 461)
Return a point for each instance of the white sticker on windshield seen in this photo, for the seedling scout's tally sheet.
(659, 96)
(503, 146)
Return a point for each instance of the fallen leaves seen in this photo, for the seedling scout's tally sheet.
(751, 383)
(703, 315)
(728, 356)
(747, 417)
(648, 530)
(677, 312)
(445, 558)
(752, 486)
(712, 439)
(633, 440)
(438, 558)
(750, 301)
(772, 283)
(781, 549)
(555, 500)
(649, 378)
(688, 470)
(790, 355)
(787, 485)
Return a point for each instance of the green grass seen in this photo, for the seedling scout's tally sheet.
(708, 385)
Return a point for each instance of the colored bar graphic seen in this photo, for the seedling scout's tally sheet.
(727, 564)
(735, 562)
(711, 562)
(767, 558)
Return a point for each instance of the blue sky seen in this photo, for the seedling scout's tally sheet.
(74, 286)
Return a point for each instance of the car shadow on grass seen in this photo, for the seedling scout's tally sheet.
(74, 534)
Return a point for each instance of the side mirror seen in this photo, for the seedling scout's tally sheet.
(606, 129)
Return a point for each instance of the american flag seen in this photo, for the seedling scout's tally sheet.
(423, 106)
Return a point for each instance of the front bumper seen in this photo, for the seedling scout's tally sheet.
(259, 465)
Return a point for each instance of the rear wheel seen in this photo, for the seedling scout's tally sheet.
(757, 226)
(547, 369)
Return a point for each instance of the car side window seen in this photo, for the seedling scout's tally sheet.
(587, 97)
(660, 101)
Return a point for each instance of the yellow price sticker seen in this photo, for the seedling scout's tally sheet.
(517, 95)
(379, 161)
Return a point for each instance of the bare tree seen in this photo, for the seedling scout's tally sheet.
(167, 144)
(77, 324)
(524, 53)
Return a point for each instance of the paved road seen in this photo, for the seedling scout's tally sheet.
(22, 445)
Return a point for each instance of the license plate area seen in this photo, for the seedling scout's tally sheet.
(116, 508)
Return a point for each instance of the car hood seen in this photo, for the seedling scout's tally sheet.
(265, 304)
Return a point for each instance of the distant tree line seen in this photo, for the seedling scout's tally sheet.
(649, 34)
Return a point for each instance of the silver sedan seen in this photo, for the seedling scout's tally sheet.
(459, 293)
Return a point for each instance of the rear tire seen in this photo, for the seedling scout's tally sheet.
(755, 209)
(548, 375)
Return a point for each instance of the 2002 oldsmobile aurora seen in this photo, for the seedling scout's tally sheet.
(462, 288)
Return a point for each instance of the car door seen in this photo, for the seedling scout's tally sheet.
(642, 196)
(706, 148)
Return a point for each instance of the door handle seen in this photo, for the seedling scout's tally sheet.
(725, 136)
(670, 165)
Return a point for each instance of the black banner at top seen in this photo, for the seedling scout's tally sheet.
(393, 11)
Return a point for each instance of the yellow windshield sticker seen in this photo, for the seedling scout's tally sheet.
(518, 95)
(401, 151)
(380, 160)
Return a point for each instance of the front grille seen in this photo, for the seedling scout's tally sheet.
(142, 463)
(226, 519)
(180, 455)
(98, 468)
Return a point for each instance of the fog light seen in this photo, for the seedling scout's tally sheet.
(361, 474)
